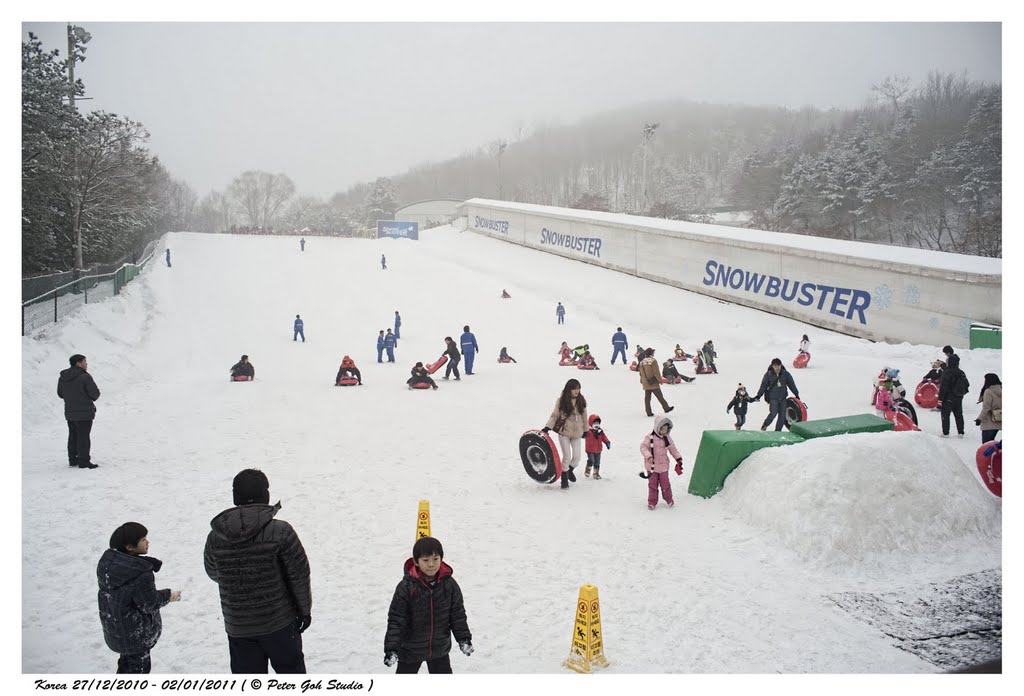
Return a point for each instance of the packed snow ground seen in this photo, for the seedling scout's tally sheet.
(732, 584)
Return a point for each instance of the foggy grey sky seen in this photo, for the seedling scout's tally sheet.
(332, 104)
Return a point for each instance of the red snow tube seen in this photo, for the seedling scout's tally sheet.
(801, 360)
(504, 360)
(927, 394)
(901, 421)
(241, 378)
(796, 411)
(674, 380)
(433, 367)
(420, 385)
(540, 456)
(566, 363)
(706, 370)
(587, 367)
(634, 366)
(347, 382)
(990, 466)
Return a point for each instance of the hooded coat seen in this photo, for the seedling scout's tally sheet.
(656, 448)
(650, 374)
(129, 602)
(593, 439)
(422, 617)
(79, 391)
(261, 570)
(949, 378)
(991, 401)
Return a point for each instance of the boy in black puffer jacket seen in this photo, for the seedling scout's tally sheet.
(128, 599)
(426, 610)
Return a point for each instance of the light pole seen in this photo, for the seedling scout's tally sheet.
(649, 129)
(502, 145)
(77, 38)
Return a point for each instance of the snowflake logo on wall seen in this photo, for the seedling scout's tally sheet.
(883, 297)
(965, 327)
(933, 324)
(911, 295)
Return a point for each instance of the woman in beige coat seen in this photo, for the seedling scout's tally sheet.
(990, 420)
(569, 420)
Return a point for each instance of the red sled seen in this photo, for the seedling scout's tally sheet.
(706, 370)
(990, 466)
(801, 360)
(566, 363)
(419, 385)
(540, 456)
(435, 366)
(927, 394)
(347, 382)
(674, 380)
(504, 360)
(796, 411)
(901, 421)
(634, 366)
(241, 378)
(587, 367)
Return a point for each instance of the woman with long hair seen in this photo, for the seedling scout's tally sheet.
(569, 420)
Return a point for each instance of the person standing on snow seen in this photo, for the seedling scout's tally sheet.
(656, 448)
(79, 392)
(620, 344)
(262, 573)
(398, 325)
(592, 441)
(167, 256)
(650, 380)
(380, 346)
(469, 348)
(569, 420)
(297, 329)
(952, 390)
(452, 351)
(302, 244)
(383, 263)
(560, 313)
(389, 345)
(774, 387)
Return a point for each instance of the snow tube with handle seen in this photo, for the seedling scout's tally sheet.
(905, 407)
(504, 360)
(419, 385)
(796, 411)
(801, 360)
(435, 366)
(566, 362)
(927, 394)
(540, 456)
(634, 366)
(673, 380)
(587, 367)
(241, 378)
(347, 382)
(990, 466)
(900, 420)
(706, 370)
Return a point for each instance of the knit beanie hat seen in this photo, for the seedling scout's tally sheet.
(251, 486)
(127, 533)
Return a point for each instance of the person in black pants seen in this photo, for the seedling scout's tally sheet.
(263, 575)
(78, 389)
(774, 386)
(452, 351)
(952, 398)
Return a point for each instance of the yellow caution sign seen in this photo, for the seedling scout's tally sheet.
(587, 651)
(423, 520)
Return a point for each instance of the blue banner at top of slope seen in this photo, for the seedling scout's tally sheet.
(398, 230)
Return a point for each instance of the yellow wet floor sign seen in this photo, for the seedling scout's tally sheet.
(423, 520)
(587, 651)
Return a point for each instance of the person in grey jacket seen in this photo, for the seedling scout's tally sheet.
(774, 387)
(129, 602)
(263, 575)
(78, 389)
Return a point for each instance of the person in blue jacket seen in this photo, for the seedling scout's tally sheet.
(297, 329)
(398, 325)
(469, 348)
(380, 346)
(620, 344)
(389, 345)
(560, 313)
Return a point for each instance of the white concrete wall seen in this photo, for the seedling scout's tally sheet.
(867, 290)
(432, 212)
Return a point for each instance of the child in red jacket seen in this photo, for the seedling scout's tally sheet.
(592, 440)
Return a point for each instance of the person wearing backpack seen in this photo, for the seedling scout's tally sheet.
(952, 390)
(990, 420)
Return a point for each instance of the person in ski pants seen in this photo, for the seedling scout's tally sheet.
(380, 346)
(620, 344)
(389, 345)
(297, 329)
(655, 448)
(469, 348)
(398, 325)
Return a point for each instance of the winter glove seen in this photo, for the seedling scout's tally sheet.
(644, 474)
(607, 445)
(390, 659)
(679, 467)
(545, 429)
(977, 421)
(303, 622)
(466, 648)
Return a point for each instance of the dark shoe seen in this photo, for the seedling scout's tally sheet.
(670, 408)
(763, 428)
(445, 377)
(650, 415)
(565, 481)
(572, 476)
(88, 466)
(435, 386)
(458, 379)
(73, 465)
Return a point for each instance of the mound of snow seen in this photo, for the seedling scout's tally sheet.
(845, 498)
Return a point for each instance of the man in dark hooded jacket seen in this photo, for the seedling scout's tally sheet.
(952, 389)
(263, 575)
(774, 387)
(79, 391)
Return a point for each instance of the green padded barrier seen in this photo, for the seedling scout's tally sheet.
(826, 427)
(721, 451)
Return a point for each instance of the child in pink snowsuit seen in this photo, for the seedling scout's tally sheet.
(883, 399)
(656, 448)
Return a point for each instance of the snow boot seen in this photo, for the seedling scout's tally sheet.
(572, 476)
(597, 474)
(565, 480)
(587, 472)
